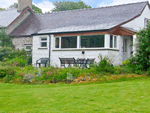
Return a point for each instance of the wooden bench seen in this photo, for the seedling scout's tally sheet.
(68, 61)
(42, 61)
(81, 62)
(90, 61)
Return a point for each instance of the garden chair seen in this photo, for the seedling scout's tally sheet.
(42, 61)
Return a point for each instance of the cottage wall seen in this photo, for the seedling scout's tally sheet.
(38, 52)
(21, 42)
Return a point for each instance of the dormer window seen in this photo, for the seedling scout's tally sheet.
(146, 20)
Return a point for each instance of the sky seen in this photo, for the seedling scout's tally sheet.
(47, 5)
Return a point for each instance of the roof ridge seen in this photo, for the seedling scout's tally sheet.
(8, 9)
(94, 8)
(123, 4)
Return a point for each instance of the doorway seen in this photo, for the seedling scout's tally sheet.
(125, 49)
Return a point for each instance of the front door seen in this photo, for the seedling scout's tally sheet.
(125, 49)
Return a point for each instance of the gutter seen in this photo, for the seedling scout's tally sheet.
(69, 32)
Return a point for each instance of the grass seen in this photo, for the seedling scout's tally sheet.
(117, 97)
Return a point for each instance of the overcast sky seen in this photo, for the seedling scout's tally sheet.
(47, 5)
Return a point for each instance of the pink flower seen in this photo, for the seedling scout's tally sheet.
(49, 73)
(15, 63)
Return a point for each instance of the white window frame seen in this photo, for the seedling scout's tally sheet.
(113, 42)
(91, 35)
(60, 42)
(43, 41)
(28, 49)
(146, 22)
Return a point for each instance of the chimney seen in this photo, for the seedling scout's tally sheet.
(24, 3)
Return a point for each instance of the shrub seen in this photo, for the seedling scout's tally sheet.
(15, 62)
(8, 78)
(148, 71)
(143, 49)
(29, 60)
(3, 72)
(5, 52)
(126, 62)
(104, 65)
(7, 71)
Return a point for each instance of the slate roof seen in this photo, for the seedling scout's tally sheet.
(7, 16)
(80, 20)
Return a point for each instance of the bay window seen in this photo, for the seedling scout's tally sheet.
(90, 41)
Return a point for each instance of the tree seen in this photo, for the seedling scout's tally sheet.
(35, 8)
(69, 5)
(142, 56)
(1, 9)
(5, 41)
(15, 5)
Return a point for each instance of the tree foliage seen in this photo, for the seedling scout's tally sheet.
(69, 5)
(5, 41)
(35, 8)
(15, 5)
(1, 9)
(142, 56)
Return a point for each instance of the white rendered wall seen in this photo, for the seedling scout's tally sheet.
(138, 23)
(116, 54)
(37, 51)
(113, 53)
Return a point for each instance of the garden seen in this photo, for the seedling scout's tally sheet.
(15, 67)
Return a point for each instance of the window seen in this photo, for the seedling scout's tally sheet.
(56, 42)
(92, 41)
(113, 41)
(125, 45)
(146, 20)
(28, 49)
(69, 42)
(43, 41)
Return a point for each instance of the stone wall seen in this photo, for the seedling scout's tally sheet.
(21, 42)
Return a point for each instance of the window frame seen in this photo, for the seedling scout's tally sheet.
(113, 42)
(146, 22)
(41, 41)
(115, 37)
(28, 49)
(58, 42)
(92, 35)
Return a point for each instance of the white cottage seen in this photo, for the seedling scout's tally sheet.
(66, 34)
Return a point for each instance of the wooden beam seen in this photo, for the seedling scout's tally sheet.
(82, 33)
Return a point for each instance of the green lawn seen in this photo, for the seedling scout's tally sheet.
(118, 97)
